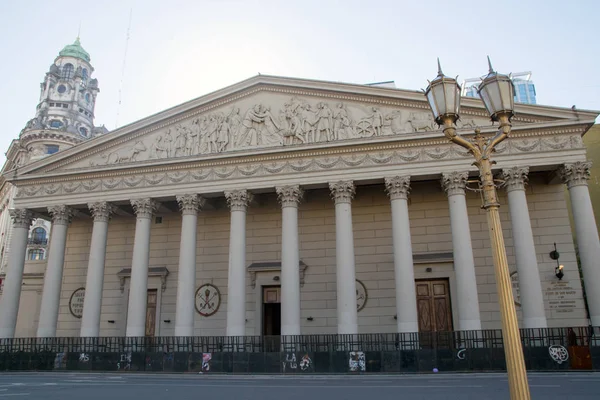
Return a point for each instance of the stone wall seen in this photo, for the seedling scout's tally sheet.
(430, 229)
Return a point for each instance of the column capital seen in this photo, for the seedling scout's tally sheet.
(21, 217)
(238, 200)
(398, 187)
(144, 208)
(342, 191)
(61, 215)
(190, 204)
(455, 182)
(575, 174)
(289, 196)
(101, 210)
(515, 178)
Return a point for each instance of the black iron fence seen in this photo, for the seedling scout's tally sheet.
(545, 349)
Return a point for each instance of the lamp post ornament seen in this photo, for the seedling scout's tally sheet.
(497, 93)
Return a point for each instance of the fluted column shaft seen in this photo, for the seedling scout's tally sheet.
(189, 204)
(454, 184)
(398, 188)
(94, 283)
(290, 196)
(61, 218)
(575, 176)
(11, 294)
(236, 284)
(347, 317)
(138, 288)
(530, 285)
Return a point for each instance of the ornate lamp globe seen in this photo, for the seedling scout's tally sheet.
(443, 95)
(498, 94)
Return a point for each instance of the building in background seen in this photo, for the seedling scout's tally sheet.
(64, 117)
(524, 87)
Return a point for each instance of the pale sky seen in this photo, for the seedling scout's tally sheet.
(179, 50)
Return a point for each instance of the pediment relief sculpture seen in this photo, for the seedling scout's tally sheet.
(270, 121)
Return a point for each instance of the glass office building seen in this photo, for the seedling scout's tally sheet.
(524, 87)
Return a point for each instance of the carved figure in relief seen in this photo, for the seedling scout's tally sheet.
(223, 136)
(158, 149)
(376, 121)
(180, 141)
(467, 123)
(397, 122)
(421, 122)
(342, 125)
(125, 155)
(324, 122)
(259, 127)
(212, 128)
(168, 143)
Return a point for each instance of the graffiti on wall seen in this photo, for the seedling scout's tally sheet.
(357, 361)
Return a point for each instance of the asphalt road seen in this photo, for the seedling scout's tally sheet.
(86, 386)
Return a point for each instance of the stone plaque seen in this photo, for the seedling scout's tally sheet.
(361, 295)
(76, 302)
(208, 299)
(562, 297)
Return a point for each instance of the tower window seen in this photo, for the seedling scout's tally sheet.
(83, 131)
(51, 148)
(88, 98)
(65, 105)
(84, 75)
(55, 123)
(38, 236)
(36, 254)
(68, 71)
(62, 88)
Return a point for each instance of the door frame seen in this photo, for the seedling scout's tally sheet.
(443, 270)
(263, 278)
(154, 282)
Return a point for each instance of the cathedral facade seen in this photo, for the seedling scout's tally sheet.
(281, 206)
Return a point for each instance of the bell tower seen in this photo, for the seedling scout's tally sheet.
(65, 112)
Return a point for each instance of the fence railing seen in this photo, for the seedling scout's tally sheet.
(545, 349)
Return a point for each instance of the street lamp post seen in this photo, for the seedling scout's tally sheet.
(497, 93)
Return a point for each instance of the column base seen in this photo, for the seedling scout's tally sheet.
(536, 322)
(469, 325)
(408, 327)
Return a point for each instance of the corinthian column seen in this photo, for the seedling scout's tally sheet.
(347, 318)
(236, 284)
(11, 296)
(575, 176)
(454, 184)
(94, 283)
(189, 204)
(530, 285)
(61, 218)
(289, 197)
(398, 188)
(138, 288)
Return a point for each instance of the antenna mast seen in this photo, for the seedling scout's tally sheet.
(123, 68)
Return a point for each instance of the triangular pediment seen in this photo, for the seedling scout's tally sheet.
(265, 113)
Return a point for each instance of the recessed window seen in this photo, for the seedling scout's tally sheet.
(84, 75)
(55, 123)
(68, 71)
(36, 254)
(51, 104)
(51, 148)
(88, 98)
(83, 131)
(38, 236)
(62, 88)
(65, 106)
(81, 110)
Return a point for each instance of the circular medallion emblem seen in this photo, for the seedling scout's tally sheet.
(76, 302)
(208, 299)
(361, 295)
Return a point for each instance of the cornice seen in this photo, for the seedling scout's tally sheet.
(335, 91)
(521, 139)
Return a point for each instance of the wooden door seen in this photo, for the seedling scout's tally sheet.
(151, 303)
(435, 312)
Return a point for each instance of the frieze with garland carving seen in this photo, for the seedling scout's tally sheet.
(436, 152)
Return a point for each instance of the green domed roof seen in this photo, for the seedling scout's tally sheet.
(75, 50)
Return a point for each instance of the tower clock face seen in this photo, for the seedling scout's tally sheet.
(61, 89)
